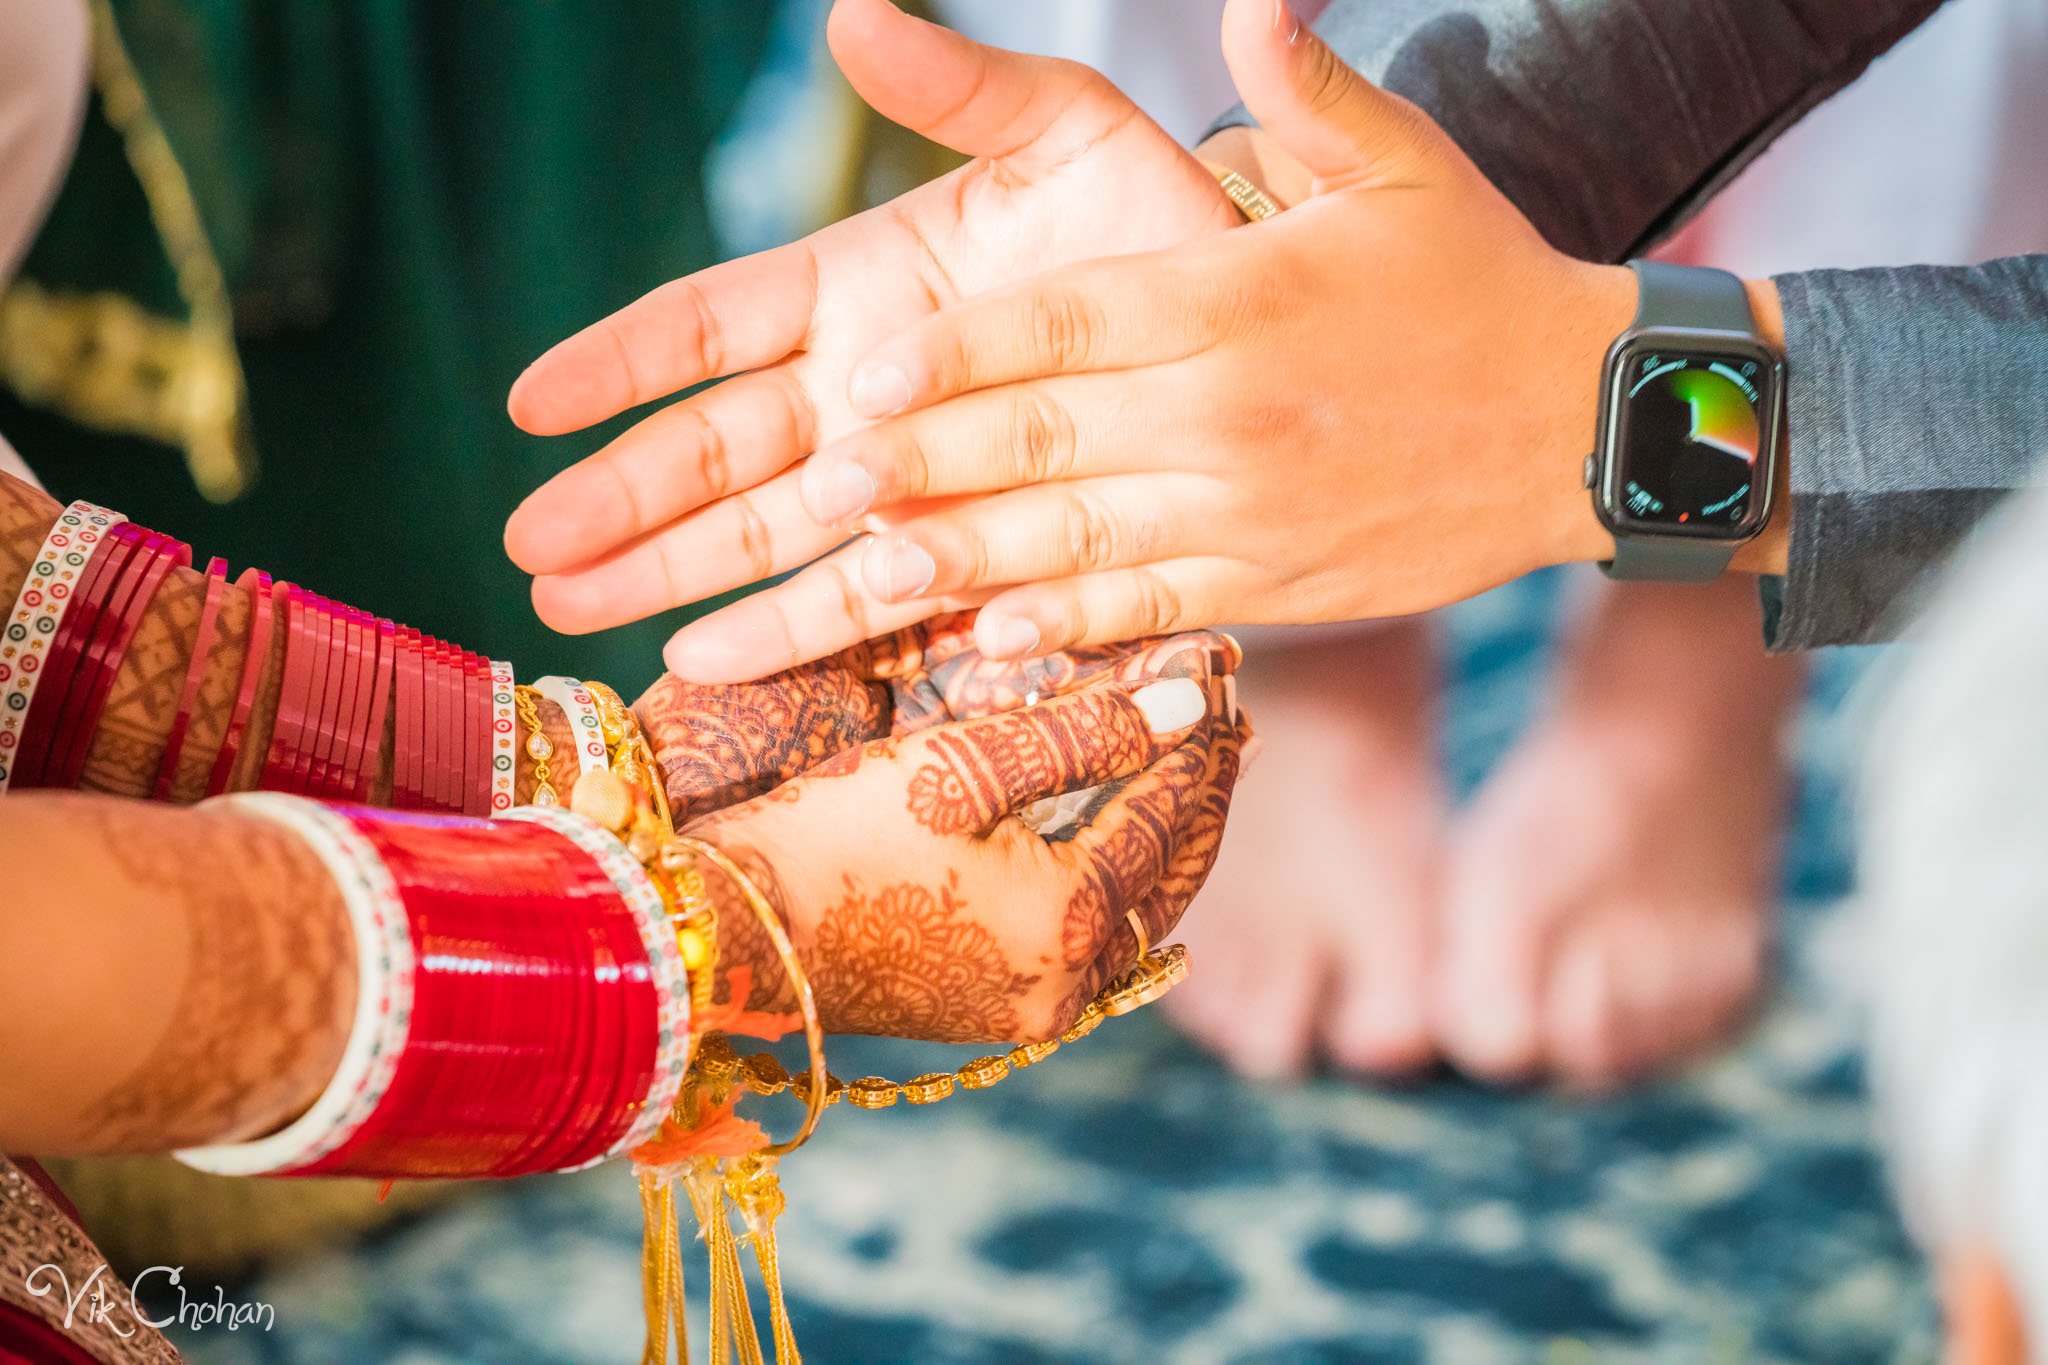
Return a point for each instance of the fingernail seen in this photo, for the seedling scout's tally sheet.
(1172, 705)
(1286, 21)
(896, 568)
(836, 491)
(879, 390)
(1005, 637)
(727, 651)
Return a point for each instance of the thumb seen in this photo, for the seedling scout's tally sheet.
(1340, 125)
(976, 99)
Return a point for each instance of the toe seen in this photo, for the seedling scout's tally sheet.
(1584, 1044)
(1377, 1016)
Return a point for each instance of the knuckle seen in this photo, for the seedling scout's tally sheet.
(849, 598)
(756, 541)
(1067, 327)
(638, 514)
(1156, 606)
(714, 460)
(1090, 532)
(1043, 450)
(907, 464)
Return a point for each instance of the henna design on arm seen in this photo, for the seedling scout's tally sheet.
(226, 1024)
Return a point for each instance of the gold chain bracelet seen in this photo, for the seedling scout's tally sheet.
(539, 747)
(1150, 977)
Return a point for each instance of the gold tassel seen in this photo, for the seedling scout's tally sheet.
(661, 1273)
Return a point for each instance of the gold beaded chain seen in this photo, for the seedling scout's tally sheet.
(539, 747)
(1152, 976)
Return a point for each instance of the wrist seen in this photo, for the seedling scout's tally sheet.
(1604, 301)
(1601, 299)
(1767, 551)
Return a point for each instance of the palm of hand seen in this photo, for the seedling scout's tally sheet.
(702, 496)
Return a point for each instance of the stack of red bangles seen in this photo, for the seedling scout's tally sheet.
(521, 1002)
(349, 678)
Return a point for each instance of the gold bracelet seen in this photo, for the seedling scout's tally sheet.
(1158, 972)
(814, 1093)
(539, 747)
(632, 757)
(1254, 203)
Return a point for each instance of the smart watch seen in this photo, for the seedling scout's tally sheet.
(1691, 403)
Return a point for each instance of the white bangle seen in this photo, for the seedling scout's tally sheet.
(581, 708)
(384, 993)
(38, 611)
(504, 739)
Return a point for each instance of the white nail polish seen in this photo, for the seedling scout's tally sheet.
(1172, 705)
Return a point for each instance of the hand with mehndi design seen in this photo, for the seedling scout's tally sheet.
(723, 744)
(922, 906)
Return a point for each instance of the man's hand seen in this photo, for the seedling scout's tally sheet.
(1372, 404)
(707, 494)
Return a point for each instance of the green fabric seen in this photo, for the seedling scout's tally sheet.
(410, 201)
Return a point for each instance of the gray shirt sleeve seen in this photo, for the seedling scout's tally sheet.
(1916, 397)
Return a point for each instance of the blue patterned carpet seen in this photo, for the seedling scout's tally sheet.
(1133, 1202)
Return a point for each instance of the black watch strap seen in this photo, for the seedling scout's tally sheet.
(1697, 298)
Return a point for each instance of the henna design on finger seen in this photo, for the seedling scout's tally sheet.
(974, 773)
(1127, 849)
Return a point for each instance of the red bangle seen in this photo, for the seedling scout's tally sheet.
(131, 603)
(523, 1008)
(495, 1076)
(434, 791)
(195, 674)
(356, 698)
(328, 767)
(255, 659)
(386, 633)
(448, 776)
(365, 637)
(323, 694)
(288, 724)
(476, 740)
(323, 716)
(39, 729)
(407, 757)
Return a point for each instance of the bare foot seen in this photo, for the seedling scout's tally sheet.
(1606, 906)
(1314, 929)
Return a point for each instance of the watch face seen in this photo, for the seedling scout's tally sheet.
(1689, 438)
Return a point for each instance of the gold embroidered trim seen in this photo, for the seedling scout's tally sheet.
(102, 359)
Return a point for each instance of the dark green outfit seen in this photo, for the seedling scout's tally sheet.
(408, 203)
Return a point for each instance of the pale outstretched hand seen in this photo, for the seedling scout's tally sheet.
(709, 493)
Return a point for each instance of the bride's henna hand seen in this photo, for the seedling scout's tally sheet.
(720, 745)
(923, 907)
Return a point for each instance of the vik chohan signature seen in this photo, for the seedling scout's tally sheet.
(102, 1299)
